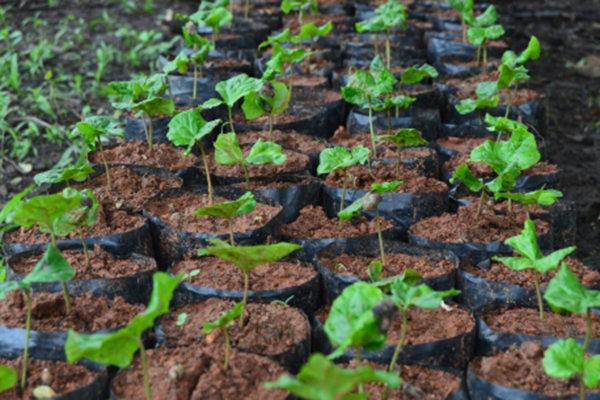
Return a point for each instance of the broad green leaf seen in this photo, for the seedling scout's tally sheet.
(78, 174)
(563, 359)
(501, 124)
(94, 127)
(228, 151)
(487, 18)
(274, 68)
(486, 90)
(591, 375)
(467, 106)
(8, 378)
(9, 286)
(210, 103)
(247, 258)
(310, 30)
(509, 76)
(476, 36)
(52, 267)
(48, 211)
(244, 205)
(361, 87)
(545, 197)
(83, 215)
(154, 106)
(532, 52)
(377, 65)
(288, 5)
(415, 75)
(566, 293)
(463, 173)
(321, 379)
(237, 87)
(406, 294)
(400, 101)
(266, 152)
(382, 188)
(256, 105)
(406, 137)
(188, 127)
(216, 18)
(374, 24)
(283, 37)
(44, 392)
(340, 158)
(289, 55)
(179, 63)
(461, 5)
(9, 208)
(224, 320)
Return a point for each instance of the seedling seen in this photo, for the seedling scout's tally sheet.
(246, 258)
(369, 202)
(479, 37)
(67, 174)
(228, 152)
(311, 31)
(222, 323)
(215, 18)
(465, 7)
(93, 129)
(531, 258)
(118, 348)
(187, 129)
(405, 137)
(192, 274)
(228, 209)
(321, 379)
(181, 321)
(272, 99)
(486, 97)
(503, 125)
(283, 303)
(8, 378)
(288, 5)
(542, 196)
(201, 47)
(566, 358)
(51, 268)
(340, 159)
(231, 91)
(84, 215)
(288, 55)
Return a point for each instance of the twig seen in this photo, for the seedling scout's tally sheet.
(14, 164)
(35, 120)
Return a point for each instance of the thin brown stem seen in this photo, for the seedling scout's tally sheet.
(85, 250)
(342, 204)
(227, 348)
(207, 172)
(27, 332)
(245, 300)
(231, 236)
(108, 182)
(480, 206)
(538, 291)
(247, 175)
(379, 236)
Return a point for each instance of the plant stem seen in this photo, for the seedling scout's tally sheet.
(245, 300)
(398, 160)
(388, 51)
(271, 118)
(588, 332)
(207, 171)
(380, 235)
(389, 117)
(508, 101)
(527, 211)
(376, 44)
(538, 291)
(62, 283)
(150, 134)
(85, 249)
(484, 57)
(105, 164)
(145, 128)
(358, 365)
(27, 331)
(247, 174)
(231, 237)
(402, 340)
(344, 183)
(371, 127)
(300, 16)
(478, 56)
(480, 206)
(227, 348)
(291, 78)
(195, 91)
(166, 80)
(310, 50)
(144, 363)
(581, 389)
(231, 120)
(464, 29)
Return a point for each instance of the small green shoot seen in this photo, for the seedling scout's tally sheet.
(311, 31)
(282, 302)
(67, 174)
(288, 5)
(405, 137)
(181, 321)
(201, 47)
(486, 97)
(479, 37)
(542, 196)
(84, 215)
(222, 323)
(272, 99)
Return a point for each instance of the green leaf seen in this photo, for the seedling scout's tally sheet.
(288, 5)
(9, 286)
(51, 268)
(289, 55)
(274, 68)
(406, 294)
(463, 173)
(179, 63)
(532, 52)
(545, 197)
(591, 375)
(255, 105)
(247, 258)
(501, 124)
(237, 87)
(9, 208)
(405, 137)
(374, 24)
(188, 128)
(224, 320)
(283, 37)
(467, 106)
(351, 321)
(119, 347)
(356, 207)
(461, 5)
(476, 36)
(382, 188)
(8, 378)
(509, 76)
(340, 158)
(154, 106)
(487, 18)
(48, 211)
(210, 103)
(78, 174)
(266, 152)
(94, 127)
(321, 379)
(244, 205)
(566, 293)
(227, 150)
(216, 18)
(308, 31)
(415, 75)
(361, 87)
(486, 90)
(563, 359)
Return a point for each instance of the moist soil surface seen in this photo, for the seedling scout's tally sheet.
(65, 377)
(136, 152)
(313, 223)
(526, 321)
(292, 114)
(482, 170)
(462, 145)
(103, 265)
(129, 190)
(310, 81)
(521, 368)
(274, 184)
(49, 313)
(295, 162)
(397, 263)
(220, 274)
(461, 227)
(499, 272)
(418, 382)
(291, 21)
(108, 222)
(361, 179)
(203, 376)
(178, 212)
(424, 326)
(269, 329)
(286, 139)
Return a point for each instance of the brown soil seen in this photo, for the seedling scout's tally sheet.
(526, 321)
(268, 184)
(361, 179)
(136, 152)
(65, 377)
(397, 263)
(286, 139)
(461, 227)
(291, 21)
(286, 118)
(269, 329)
(253, 9)
(306, 81)
(462, 145)
(501, 273)
(104, 265)
(452, 60)
(129, 190)
(429, 383)
(521, 368)
(224, 62)
(203, 379)
(219, 274)
(482, 170)
(502, 205)
(316, 97)
(295, 162)
(488, 43)
(341, 138)
(48, 312)
(395, 69)
(425, 326)
(178, 212)
(108, 222)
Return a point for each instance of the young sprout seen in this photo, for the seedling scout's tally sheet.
(566, 358)
(311, 31)
(187, 129)
(246, 258)
(321, 379)
(228, 152)
(118, 348)
(486, 97)
(287, 55)
(540, 197)
(531, 258)
(340, 159)
(231, 91)
(465, 7)
(222, 323)
(288, 5)
(192, 274)
(272, 99)
(405, 137)
(181, 321)
(228, 209)
(84, 215)
(406, 294)
(93, 129)
(51, 268)
(67, 174)
(479, 37)
(283, 303)
(502, 125)
(370, 202)
(8, 378)
(215, 19)
(201, 47)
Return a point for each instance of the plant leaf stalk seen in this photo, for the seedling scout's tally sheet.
(108, 182)
(538, 291)
(227, 348)
(380, 236)
(480, 206)
(85, 249)
(231, 236)
(144, 363)
(342, 206)
(245, 300)
(207, 171)
(371, 126)
(398, 347)
(388, 51)
(27, 333)
(62, 283)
